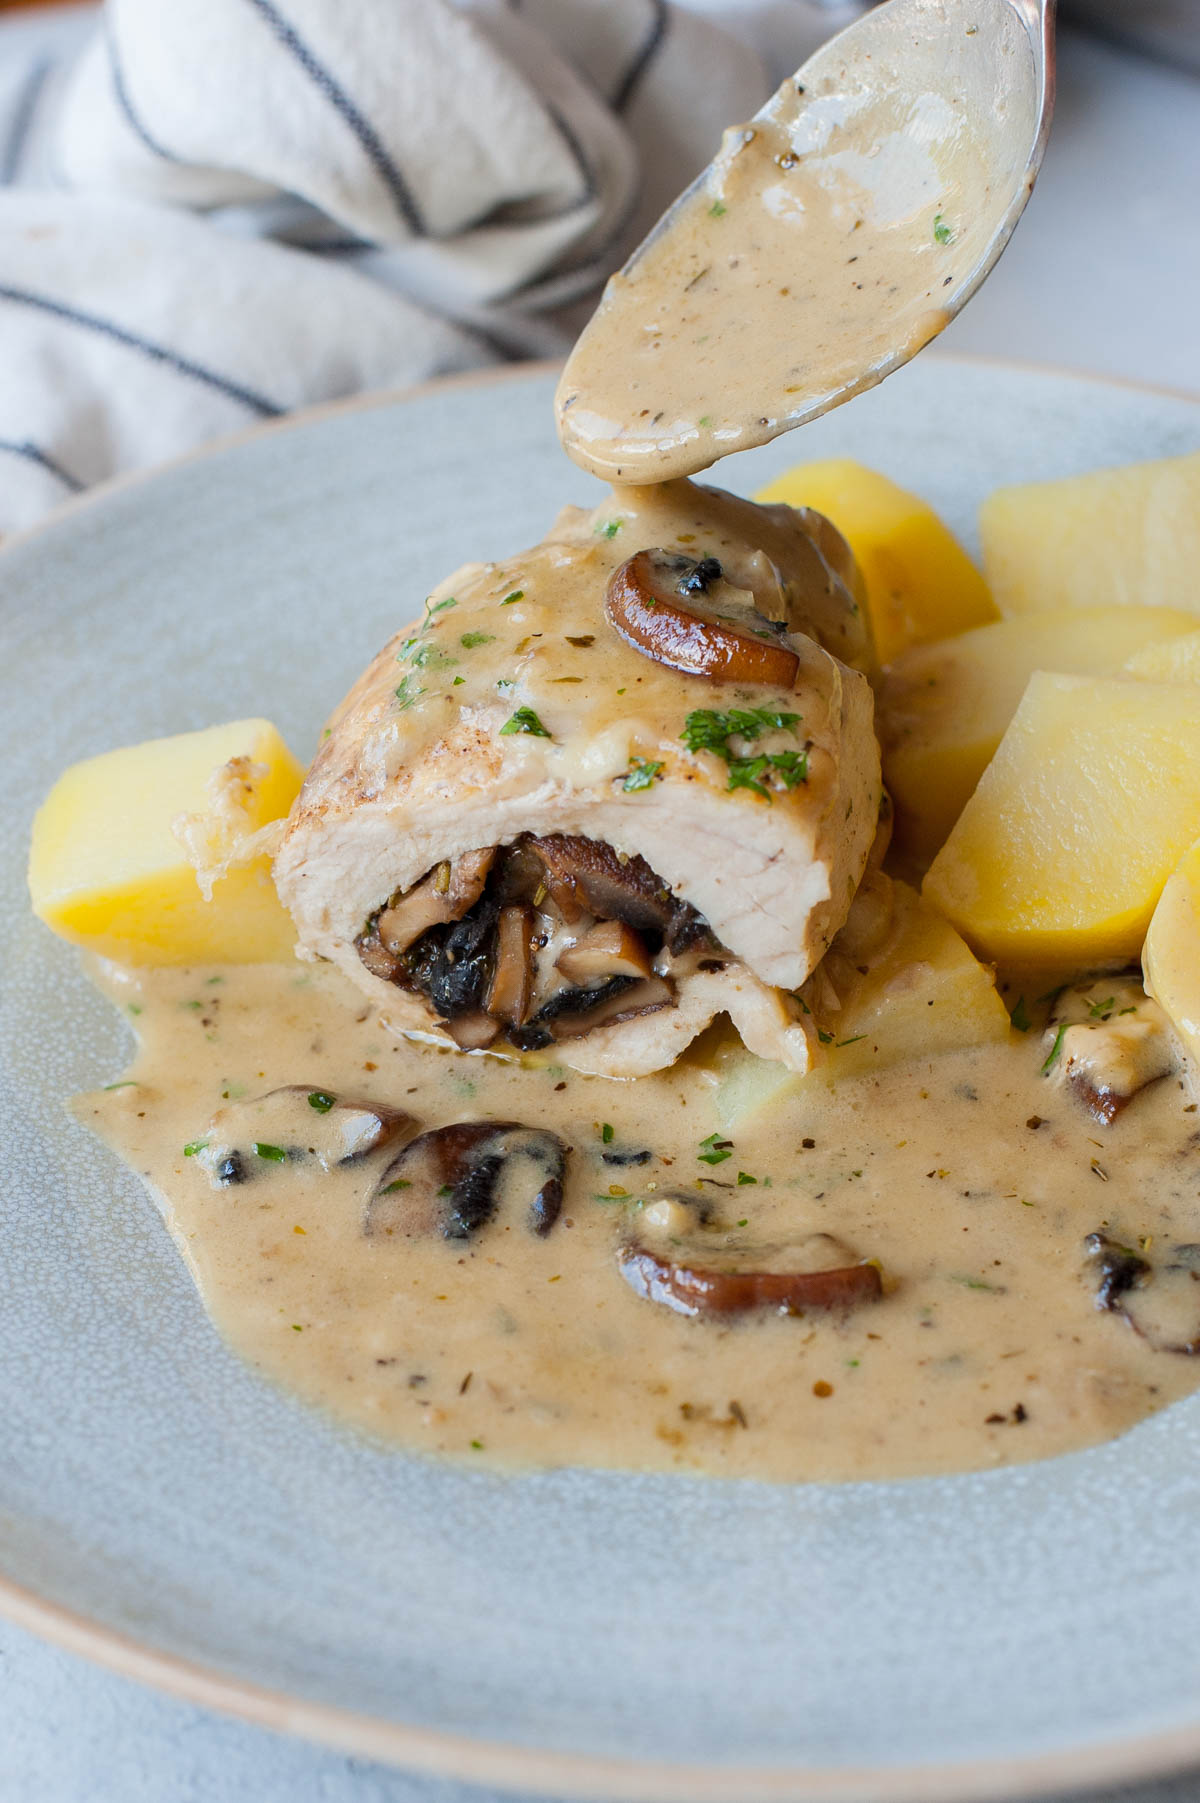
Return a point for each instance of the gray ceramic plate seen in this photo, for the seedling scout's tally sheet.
(165, 1510)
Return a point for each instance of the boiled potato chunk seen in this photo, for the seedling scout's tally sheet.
(943, 708)
(1167, 660)
(921, 991)
(106, 870)
(1091, 800)
(1113, 537)
(1171, 955)
(921, 585)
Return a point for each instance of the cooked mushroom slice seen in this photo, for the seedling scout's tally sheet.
(444, 895)
(299, 1123)
(1108, 1040)
(684, 614)
(512, 980)
(472, 1032)
(455, 971)
(454, 1180)
(378, 960)
(588, 876)
(1160, 1300)
(706, 1273)
(574, 1011)
(609, 949)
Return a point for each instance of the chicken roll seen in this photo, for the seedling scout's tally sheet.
(603, 791)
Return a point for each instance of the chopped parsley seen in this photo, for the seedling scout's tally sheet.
(470, 640)
(431, 657)
(706, 729)
(518, 594)
(641, 774)
(943, 233)
(525, 720)
(717, 210)
(606, 1133)
(400, 1183)
(321, 1100)
(438, 607)
(193, 1146)
(825, 1038)
(715, 1150)
(1101, 1010)
(128, 1083)
(851, 1041)
(272, 1154)
(745, 1177)
(1020, 1016)
(1052, 1056)
(609, 528)
(408, 692)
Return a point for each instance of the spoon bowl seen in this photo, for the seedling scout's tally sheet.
(828, 241)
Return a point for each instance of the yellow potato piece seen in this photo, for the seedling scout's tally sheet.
(106, 871)
(922, 992)
(943, 709)
(1120, 537)
(1090, 802)
(921, 585)
(1171, 955)
(1167, 660)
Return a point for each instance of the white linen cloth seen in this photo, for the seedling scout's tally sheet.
(214, 211)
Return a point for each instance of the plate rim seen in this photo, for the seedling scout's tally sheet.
(544, 1770)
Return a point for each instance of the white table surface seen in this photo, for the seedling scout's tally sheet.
(1103, 275)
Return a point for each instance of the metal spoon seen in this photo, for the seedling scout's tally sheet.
(827, 241)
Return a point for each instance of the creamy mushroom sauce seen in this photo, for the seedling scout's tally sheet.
(785, 282)
(972, 1178)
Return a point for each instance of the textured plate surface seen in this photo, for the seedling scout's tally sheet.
(575, 1630)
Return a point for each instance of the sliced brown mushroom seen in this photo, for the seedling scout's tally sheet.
(444, 895)
(696, 1290)
(572, 1012)
(682, 613)
(454, 1180)
(1108, 1040)
(296, 1124)
(679, 1261)
(512, 979)
(1160, 1299)
(473, 1032)
(609, 949)
(586, 876)
(378, 960)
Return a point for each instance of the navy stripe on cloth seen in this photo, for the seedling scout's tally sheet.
(342, 104)
(159, 353)
(628, 84)
(569, 138)
(32, 454)
(10, 160)
(132, 117)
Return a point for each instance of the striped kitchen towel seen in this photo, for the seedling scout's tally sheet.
(215, 211)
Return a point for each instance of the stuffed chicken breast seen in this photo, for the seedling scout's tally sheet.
(603, 791)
